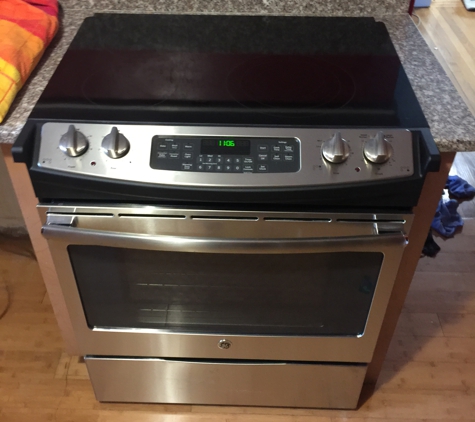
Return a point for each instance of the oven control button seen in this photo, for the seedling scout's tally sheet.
(115, 145)
(378, 150)
(73, 143)
(335, 150)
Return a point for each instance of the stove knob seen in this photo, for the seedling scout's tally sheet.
(336, 150)
(115, 145)
(73, 143)
(378, 150)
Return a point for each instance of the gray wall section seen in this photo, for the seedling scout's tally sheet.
(11, 220)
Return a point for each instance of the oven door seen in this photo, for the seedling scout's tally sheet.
(187, 283)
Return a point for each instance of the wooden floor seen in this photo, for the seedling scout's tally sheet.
(429, 374)
(449, 29)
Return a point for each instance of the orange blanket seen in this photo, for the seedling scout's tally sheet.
(26, 29)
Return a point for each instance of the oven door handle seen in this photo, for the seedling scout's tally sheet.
(220, 245)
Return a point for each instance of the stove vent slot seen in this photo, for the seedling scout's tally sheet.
(298, 220)
(154, 216)
(369, 220)
(88, 214)
(223, 218)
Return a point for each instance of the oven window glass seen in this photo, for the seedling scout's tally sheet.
(325, 294)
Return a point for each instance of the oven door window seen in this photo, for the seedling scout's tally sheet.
(324, 294)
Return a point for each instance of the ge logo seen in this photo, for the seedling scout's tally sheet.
(224, 344)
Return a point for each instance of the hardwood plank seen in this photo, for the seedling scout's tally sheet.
(392, 420)
(464, 243)
(446, 262)
(432, 349)
(44, 394)
(458, 325)
(469, 226)
(77, 369)
(443, 282)
(418, 324)
(253, 418)
(78, 394)
(420, 405)
(81, 415)
(428, 376)
(21, 364)
(63, 366)
(27, 415)
(435, 302)
(162, 409)
(30, 337)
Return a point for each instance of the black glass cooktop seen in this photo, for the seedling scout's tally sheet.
(298, 71)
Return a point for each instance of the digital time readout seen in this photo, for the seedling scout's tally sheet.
(225, 146)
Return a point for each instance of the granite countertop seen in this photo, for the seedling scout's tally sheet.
(450, 120)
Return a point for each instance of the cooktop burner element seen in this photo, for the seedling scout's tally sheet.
(276, 84)
(281, 110)
(232, 70)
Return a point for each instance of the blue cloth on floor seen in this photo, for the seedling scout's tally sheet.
(447, 219)
(459, 187)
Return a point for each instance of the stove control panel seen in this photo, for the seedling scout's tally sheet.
(233, 157)
(225, 154)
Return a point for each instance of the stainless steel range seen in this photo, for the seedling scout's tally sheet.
(227, 200)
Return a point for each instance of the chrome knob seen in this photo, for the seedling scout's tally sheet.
(115, 145)
(73, 143)
(378, 150)
(336, 150)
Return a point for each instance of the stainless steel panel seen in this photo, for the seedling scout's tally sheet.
(153, 343)
(243, 383)
(315, 170)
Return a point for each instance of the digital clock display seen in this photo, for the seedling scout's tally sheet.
(226, 146)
